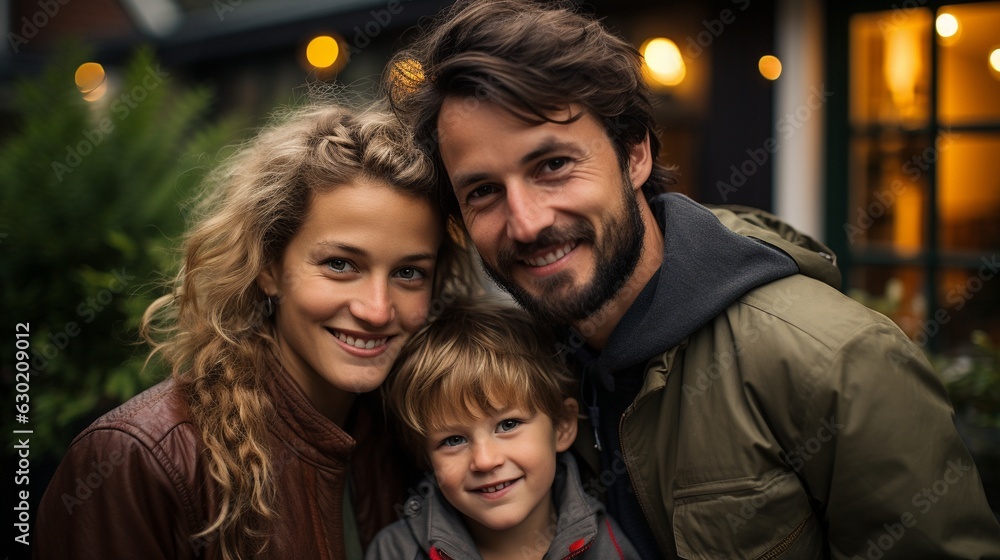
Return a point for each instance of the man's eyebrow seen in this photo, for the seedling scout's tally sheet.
(463, 180)
(547, 146)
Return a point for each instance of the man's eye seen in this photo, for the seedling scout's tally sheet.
(555, 164)
(481, 191)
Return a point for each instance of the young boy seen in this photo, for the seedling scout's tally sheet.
(482, 397)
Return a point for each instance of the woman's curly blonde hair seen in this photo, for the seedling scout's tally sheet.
(211, 327)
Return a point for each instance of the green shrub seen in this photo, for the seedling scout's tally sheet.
(89, 218)
(973, 381)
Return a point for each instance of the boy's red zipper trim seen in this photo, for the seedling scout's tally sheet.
(614, 541)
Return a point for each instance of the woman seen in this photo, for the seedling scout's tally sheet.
(317, 254)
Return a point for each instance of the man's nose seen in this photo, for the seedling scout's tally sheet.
(527, 212)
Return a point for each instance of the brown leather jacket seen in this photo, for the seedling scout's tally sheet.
(135, 484)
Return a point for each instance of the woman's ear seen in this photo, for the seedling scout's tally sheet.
(267, 280)
(566, 426)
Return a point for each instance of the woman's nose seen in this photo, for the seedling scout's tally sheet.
(374, 305)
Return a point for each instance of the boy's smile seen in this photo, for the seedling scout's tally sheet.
(497, 470)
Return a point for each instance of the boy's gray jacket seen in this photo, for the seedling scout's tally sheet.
(432, 529)
(795, 424)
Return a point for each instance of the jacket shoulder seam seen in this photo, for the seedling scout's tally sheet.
(153, 445)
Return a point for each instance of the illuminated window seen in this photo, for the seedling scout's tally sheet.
(919, 198)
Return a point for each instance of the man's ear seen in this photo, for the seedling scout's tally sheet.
(640, 162)
(566, 426)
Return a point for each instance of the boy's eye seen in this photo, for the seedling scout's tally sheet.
(508, 425)
(452, 441)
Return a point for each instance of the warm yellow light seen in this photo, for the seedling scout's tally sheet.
(769, 66)
(995, 60)
(902, 66)
(91, 80)
(322, 51)
(664, 61)
(946, 25)
(406, 76)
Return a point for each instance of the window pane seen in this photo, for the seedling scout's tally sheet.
(895, 291)
(970, 301)
(969, 87)
(969, 197)
(890, 67)
(888, 194)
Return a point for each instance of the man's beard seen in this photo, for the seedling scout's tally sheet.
(615, 260)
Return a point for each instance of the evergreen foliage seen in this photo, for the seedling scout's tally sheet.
(90, 215)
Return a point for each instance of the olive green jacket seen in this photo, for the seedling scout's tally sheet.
(798, 424)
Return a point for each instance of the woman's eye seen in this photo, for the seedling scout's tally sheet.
(452, 441)
(339, 265)
(411, 273)
(508, 425)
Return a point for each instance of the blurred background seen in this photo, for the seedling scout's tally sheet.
(872, 125)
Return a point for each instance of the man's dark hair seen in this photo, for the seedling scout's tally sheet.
(533, 59)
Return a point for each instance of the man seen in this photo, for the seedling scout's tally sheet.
(740, 406)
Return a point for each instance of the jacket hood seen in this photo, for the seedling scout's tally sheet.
(711, 257)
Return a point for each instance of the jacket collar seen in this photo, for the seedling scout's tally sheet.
(706, 266)
(303, 429)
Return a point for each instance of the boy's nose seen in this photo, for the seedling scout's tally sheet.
(486, 457)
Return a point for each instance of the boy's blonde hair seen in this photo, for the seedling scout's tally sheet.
(475, 358)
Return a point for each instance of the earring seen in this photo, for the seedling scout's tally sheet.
(268, 307)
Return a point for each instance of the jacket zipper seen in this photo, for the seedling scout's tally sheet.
(785, 543)
(628, 471)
